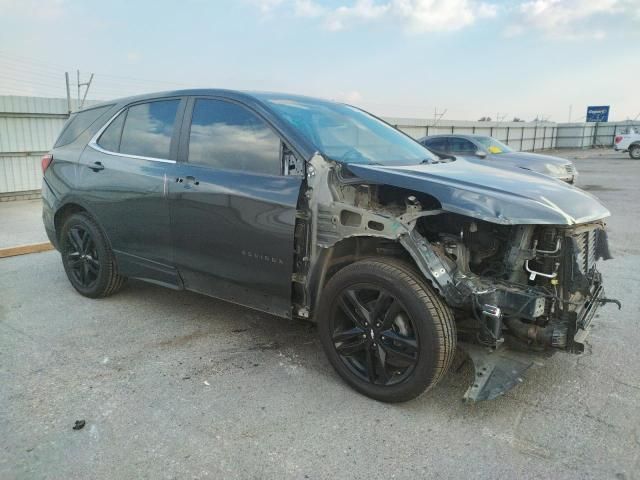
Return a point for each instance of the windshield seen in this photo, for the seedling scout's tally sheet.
(346, 134)
(492, 145)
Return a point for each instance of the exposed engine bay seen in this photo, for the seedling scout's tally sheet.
(532, 284)
(518, 290)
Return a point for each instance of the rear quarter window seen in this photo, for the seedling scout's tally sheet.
(78, 123)
(110, 138)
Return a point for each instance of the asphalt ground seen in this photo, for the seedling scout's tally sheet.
(178, 385)
(21, 224)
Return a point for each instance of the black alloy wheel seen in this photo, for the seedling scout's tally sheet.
(82, 256)
(374, 335)
(384, 330)
(87, 257)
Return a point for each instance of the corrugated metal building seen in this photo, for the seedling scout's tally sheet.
(28, 128)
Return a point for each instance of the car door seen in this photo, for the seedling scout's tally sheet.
(461, 146)
(124, 178)
(437, 145)
(232, 207)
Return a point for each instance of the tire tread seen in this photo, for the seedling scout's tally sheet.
(440, 312)
(443, 321)
(114, 281)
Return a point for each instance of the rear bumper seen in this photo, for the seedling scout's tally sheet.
(49, 203)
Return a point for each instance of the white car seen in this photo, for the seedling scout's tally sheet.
(628, 142)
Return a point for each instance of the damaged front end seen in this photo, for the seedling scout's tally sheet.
(519, 270)
(531, 289)
(524, 288)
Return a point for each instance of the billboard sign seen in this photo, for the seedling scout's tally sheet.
(598, 114)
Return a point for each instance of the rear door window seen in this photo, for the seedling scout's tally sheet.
(148, 129)
(436, 144)
(227, 135)
(461, 145)
(78, 123)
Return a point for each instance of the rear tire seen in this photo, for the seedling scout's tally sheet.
(384, 329)
(634, 152)
(87, 257)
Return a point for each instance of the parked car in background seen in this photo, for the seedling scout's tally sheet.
(483, 149)
(628, 142)
(317, 210)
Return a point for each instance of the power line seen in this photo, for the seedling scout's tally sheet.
(31, 59)
(50, 67)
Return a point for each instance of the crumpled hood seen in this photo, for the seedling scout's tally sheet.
(498, 195)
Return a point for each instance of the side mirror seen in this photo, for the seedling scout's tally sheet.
(481, 154)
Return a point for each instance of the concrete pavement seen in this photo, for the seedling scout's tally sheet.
(178, 385)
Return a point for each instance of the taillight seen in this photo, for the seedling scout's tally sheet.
(46, 161)
(618, 139)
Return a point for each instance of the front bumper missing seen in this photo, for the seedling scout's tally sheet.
(496, 370)
(588, 313)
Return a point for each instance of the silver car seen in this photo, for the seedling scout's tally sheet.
(483, 149)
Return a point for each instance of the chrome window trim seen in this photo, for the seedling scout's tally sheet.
(93, 143)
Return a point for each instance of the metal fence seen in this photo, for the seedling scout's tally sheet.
(583, 135)
(524, 136)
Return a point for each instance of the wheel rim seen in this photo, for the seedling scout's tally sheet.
(635, 152)
(82, 257)
(373, 335)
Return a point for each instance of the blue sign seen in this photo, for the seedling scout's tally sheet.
(598, 114)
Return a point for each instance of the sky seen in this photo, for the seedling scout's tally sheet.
(465, 59)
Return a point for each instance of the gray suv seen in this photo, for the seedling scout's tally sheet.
(317, 210)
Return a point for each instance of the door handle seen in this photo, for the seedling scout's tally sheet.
(97, 166)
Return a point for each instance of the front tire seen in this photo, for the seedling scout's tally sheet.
(87, 258)
(634, 152)
(384, 329)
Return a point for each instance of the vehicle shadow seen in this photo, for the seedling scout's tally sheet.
(230, 332)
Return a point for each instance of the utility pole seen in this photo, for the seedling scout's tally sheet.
(88, 84)
(66, 77)
(79, 85)
(438, 116)
(570, 109)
